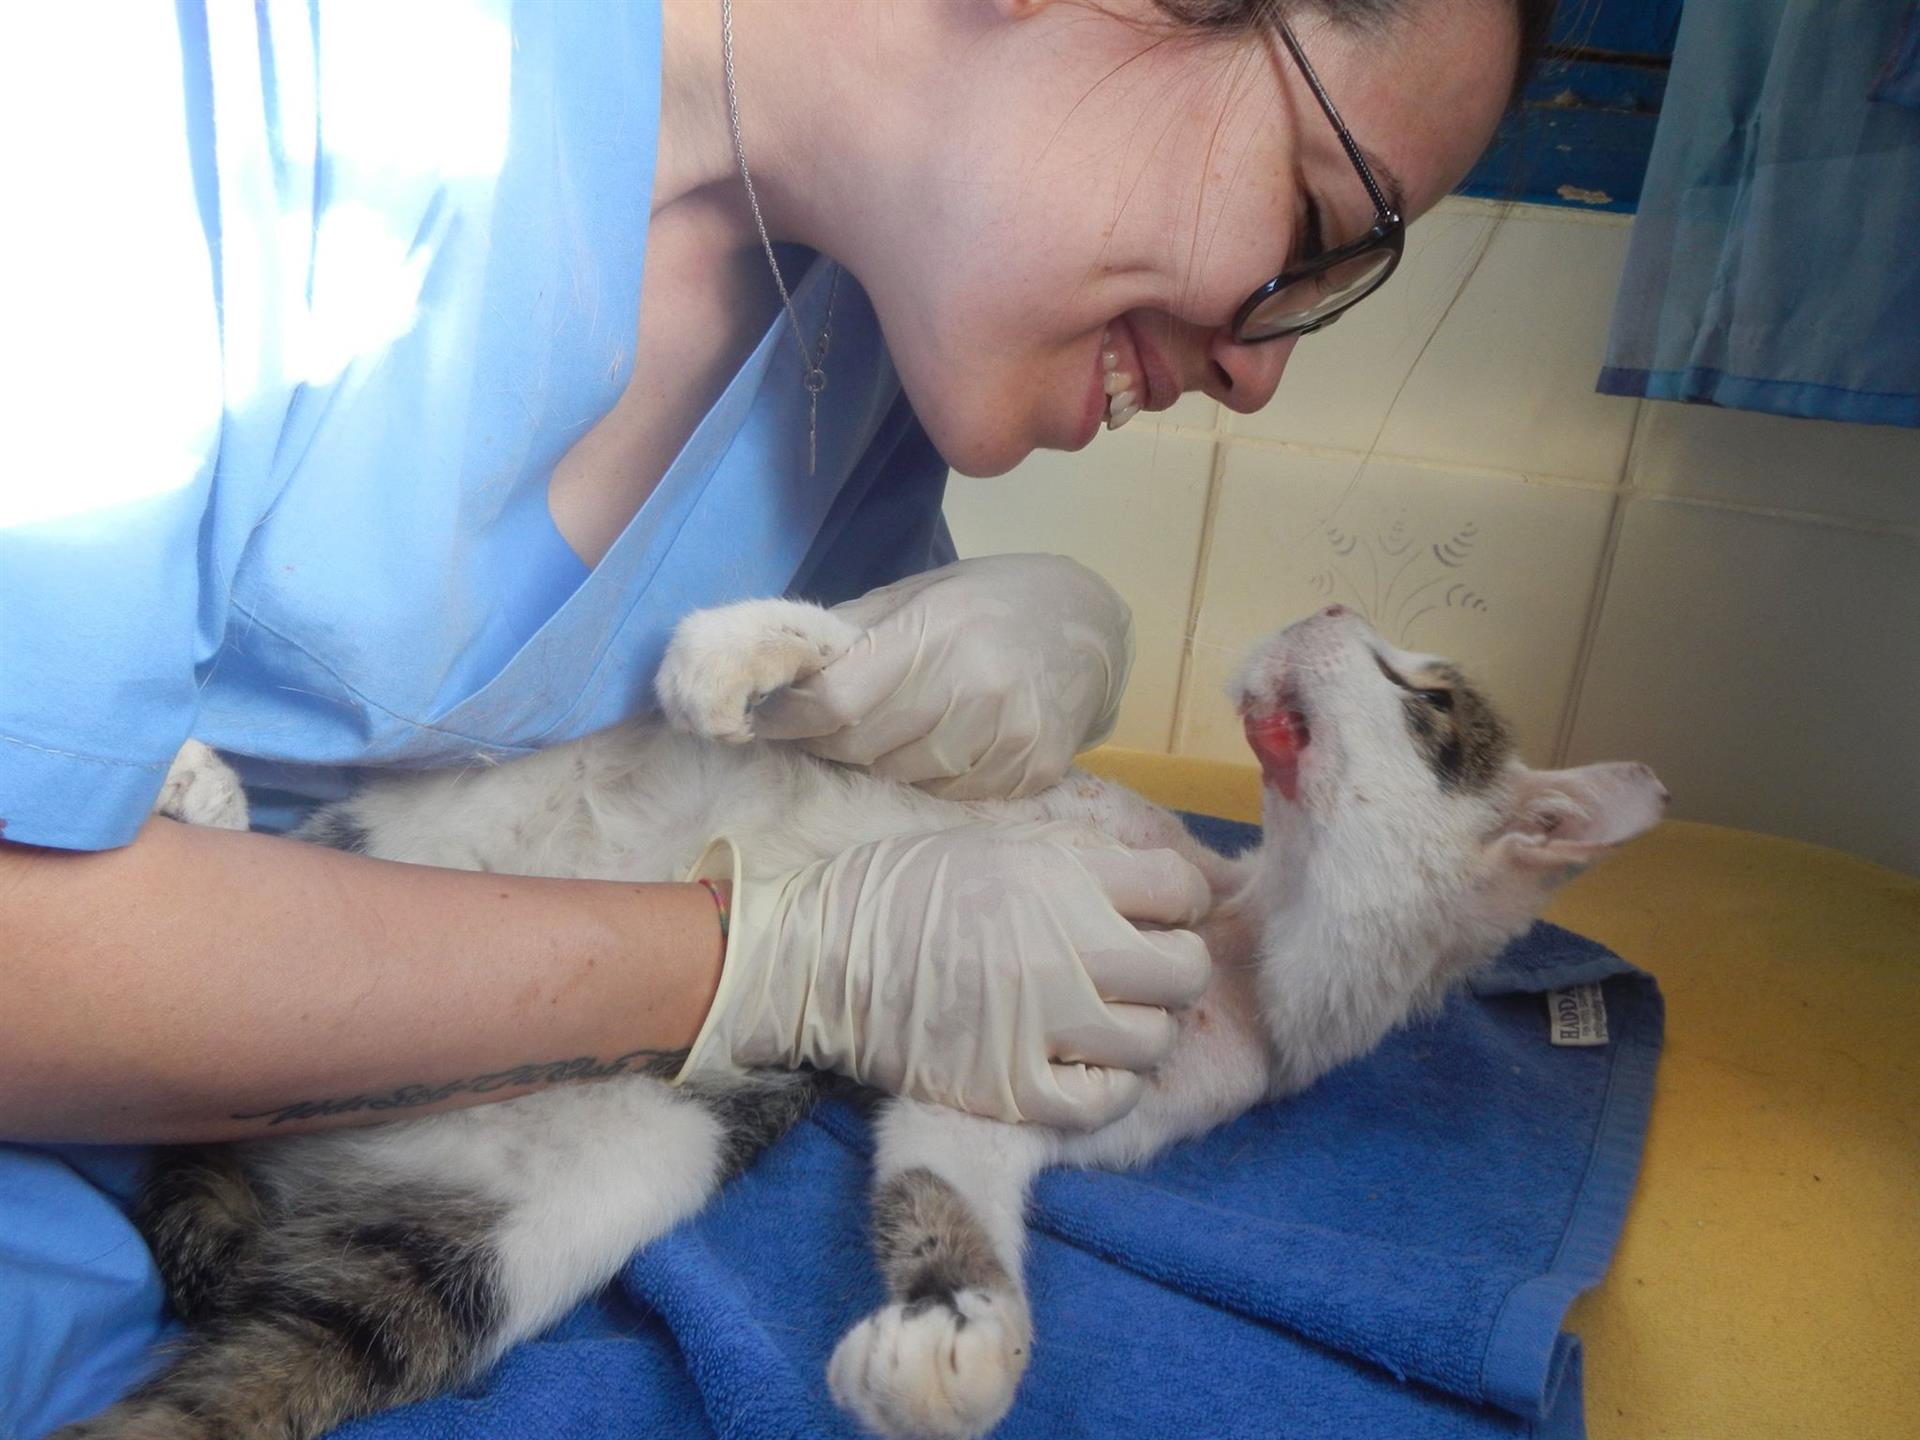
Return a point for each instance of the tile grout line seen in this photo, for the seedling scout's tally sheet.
(1602, 585)
(1197, 594)
(1535, 213)
(1781, 512)
(1557, 482)
(1423, 462)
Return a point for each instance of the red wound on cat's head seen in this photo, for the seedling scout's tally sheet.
(1278, 737)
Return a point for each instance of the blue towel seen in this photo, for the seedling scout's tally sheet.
(1389, 1254)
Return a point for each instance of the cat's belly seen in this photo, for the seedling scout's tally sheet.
(1218, 1069)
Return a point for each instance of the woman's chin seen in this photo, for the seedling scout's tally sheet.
(980, 451)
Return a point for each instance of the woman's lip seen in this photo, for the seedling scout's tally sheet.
(1156, 376)
(1095, 410)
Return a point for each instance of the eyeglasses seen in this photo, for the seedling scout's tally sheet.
(1314, 293)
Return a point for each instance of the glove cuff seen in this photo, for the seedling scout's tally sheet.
(710, 1053)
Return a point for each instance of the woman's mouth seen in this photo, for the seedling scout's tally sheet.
(1129, 376)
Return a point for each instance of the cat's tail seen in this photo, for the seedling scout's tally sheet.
(201, 1216)
(331, 1315)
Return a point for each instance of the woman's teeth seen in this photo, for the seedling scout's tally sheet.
(1122, 403)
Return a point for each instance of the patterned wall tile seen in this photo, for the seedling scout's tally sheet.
(1131, 506)
(1769, 669)
(1497, 573)
(1860, 472)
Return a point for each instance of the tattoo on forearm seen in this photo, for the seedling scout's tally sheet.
(545, 1072)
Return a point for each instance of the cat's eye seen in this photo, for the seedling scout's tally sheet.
(1441, 700)
(1312, 242)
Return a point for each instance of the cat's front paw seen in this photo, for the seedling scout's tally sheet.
(201, 789)
(724, 662)
(936, 1369)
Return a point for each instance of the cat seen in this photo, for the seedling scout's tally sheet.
(329, 1275)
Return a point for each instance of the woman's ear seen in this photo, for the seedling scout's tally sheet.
(1558, 819)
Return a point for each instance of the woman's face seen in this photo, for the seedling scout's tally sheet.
(1091, 180)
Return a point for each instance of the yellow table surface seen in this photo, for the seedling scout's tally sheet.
(1768, 1281)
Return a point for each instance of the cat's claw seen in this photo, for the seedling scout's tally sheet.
(932, 1370)
(725, 662)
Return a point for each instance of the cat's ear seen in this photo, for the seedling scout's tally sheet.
(1557, 820)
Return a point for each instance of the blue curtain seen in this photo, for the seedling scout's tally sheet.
(1775, 260)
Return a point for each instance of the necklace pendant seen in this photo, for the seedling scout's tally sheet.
(815, 380)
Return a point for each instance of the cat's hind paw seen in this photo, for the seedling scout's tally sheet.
(724, 662)
(938, 1369)
(201, 789)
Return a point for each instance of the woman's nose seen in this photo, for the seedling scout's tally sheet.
(1244, 377)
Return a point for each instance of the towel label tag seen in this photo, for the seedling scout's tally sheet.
(1577, 1016)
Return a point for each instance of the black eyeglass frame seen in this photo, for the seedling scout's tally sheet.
(1388, 233)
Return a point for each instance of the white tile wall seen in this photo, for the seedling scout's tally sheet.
(1866, 473)
(1769, 669)
(1341, 383)
(1508, 381)
(1732, 597)
(1463, 358)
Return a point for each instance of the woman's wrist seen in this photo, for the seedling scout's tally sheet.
(714, 876)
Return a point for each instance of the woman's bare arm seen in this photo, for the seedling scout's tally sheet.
(204, 984)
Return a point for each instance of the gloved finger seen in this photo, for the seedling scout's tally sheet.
(952, 728)
(980, 782)
(1167, 968)
(946, 752)
(1083, 1097)
(863, 741)
(1136, 1037)
(842, 695)
(1003, 775)
(1150, 887)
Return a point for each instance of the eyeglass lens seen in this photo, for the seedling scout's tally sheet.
(1313, 299)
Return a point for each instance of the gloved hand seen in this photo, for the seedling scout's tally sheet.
(980, 680)
(989, 969)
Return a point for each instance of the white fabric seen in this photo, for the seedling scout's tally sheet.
(992, 970)
(979, 680)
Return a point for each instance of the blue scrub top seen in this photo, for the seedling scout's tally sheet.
(320, 295)
(343, 322)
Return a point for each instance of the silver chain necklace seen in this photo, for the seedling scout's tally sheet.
(813, 374)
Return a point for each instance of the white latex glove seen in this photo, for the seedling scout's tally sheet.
(989, 969)
(980, 680)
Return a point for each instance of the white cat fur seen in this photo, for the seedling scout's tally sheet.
(1372, 893)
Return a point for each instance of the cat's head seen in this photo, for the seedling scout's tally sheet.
(1391, 777)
